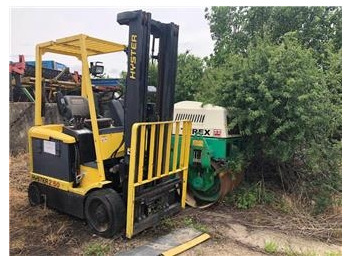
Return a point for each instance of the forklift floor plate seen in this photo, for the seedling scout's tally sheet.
(169, 245)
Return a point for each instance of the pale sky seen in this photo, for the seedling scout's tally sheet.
(30, 26)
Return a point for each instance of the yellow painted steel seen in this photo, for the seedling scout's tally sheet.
(160, 149)
(91, 179)
(90, 176)
(50, 131)
(50, 181)
(80, 46)
(71, 46)
(151, 152)
(168, 146)
(131, 182)
(179, 249)
(84, 190)
(136, 155)
(185, 150)
(176, 143)
(109, 143)
(156, 177)
(30, 151)
(90, 97)
(38, 86)
(141, 153)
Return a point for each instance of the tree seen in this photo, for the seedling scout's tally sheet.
(278, 72)
(234, 28)
(188, 78)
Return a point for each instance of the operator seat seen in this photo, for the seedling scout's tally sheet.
(116, 111)
(75, 109)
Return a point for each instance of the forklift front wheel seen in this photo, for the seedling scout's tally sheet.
(34, 194)
(105, 212)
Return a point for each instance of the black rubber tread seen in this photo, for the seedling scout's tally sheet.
(34, 194)
(115, 208)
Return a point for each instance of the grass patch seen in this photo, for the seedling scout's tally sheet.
(270, 247)
(333, 253)
(96, 249)
(249, 195)
(291, 252)
(190, 222)
(168, 223)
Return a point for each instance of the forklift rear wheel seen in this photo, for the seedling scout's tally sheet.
(105, 212)
(34, 194)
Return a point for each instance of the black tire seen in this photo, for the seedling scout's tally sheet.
(105, 212)
(34, 194)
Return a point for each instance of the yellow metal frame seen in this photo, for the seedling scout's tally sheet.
(51, 131)
(137, 152)
(91, 181)
(80, 46)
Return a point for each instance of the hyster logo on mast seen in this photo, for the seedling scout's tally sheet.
(133, 46)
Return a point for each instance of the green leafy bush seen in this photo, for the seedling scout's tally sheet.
(283, 92)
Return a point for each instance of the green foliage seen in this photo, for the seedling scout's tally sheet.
(153, 74)
(246, 199)
(189, 74)
(237, 162)
(191, 222)
(278, 72)
(277, 97)
(188, 77)
(96, 249)
(234, 28)
(247, 196)
(270, 247)
(168, 223)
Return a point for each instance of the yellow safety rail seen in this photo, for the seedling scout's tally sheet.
(154, 139)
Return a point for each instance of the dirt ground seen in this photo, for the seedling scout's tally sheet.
(255, 232)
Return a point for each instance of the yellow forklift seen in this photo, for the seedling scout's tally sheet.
(112, 161)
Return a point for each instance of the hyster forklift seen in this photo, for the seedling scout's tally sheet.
(112, 162)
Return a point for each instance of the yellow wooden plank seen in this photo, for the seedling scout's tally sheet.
(179, 249)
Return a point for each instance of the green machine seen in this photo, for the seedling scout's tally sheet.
(212, 145)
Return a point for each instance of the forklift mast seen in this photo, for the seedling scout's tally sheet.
(141, 28)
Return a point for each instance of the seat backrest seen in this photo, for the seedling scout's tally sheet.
(117, 112)
(73, 106)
